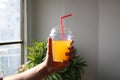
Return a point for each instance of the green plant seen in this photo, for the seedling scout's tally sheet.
(74, 71)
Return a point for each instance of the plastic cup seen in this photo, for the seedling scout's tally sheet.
(60, 45)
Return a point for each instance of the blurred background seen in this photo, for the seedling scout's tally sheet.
(95, 25)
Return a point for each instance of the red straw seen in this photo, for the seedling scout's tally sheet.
(61, 24)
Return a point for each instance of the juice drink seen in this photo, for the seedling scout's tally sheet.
(60, 47)
(61, 37)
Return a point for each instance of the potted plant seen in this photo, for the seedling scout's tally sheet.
(37, 53)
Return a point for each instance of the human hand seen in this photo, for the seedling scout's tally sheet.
(53, 66)
(47, 67)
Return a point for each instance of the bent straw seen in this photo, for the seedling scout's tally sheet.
(61, 24)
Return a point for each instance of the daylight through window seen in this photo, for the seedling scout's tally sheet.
(10, 36)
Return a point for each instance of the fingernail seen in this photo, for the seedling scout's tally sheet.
(71, 42)
(64, 62)
(67, 54)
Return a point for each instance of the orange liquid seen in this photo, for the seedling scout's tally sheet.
(60, 47)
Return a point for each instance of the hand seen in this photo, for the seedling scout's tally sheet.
(53, 66)
(45, 68)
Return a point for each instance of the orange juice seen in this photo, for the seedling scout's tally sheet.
(60, 47)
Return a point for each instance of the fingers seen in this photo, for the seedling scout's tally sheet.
(72, 41)
(71, 48)
(49, 45)
(66, 63)
(62, 63)
(70, 53)
(59, 66)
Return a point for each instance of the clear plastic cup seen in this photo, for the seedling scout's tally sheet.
(60, 43)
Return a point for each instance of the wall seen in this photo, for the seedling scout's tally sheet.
(95, 24)
(45, 15)
(84, 24)
(109, 40)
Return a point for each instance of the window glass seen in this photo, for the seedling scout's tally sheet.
(10, 55)
(9, 59)
(9, 20)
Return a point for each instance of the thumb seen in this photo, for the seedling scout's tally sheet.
(49, 47)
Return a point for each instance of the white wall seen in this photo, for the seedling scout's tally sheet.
(109, 40)
(84, 25)
(45, 15)
(95, 24)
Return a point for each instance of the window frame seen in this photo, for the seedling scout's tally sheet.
(22, 32)
(22, 23)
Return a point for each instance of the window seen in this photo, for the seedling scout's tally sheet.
(11, 36)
